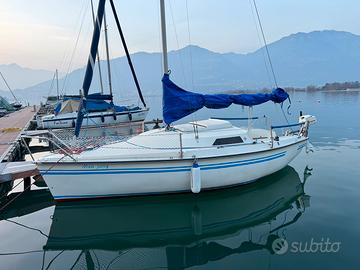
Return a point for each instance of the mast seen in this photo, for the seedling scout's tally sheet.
(57, 84)
(107, 55)
(163, 37)
(97, 54)
(90, 66)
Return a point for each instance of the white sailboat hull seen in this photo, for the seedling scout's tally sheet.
(92, 119)
(86, 180)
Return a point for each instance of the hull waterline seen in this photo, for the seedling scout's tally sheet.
(93, 180)
(112, 225)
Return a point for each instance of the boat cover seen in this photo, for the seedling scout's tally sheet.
(178, 103)
(69, 105)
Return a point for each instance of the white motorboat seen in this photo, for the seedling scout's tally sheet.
(199, 155)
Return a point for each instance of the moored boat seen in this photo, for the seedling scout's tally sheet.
(186, 226)
(161, 161)
(99, 113)
(191, 157)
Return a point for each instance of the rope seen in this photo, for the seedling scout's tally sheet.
(13, 199)
(21, 252)
(265, 43)
(28, 187)
(27, 227)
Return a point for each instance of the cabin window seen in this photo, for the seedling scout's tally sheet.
(230, 140)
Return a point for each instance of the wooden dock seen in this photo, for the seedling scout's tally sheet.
(12, 149)
(11, 127)
(10, 171)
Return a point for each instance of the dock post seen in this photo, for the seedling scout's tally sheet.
(27, 183)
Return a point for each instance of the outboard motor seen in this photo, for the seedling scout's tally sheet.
(306, 121)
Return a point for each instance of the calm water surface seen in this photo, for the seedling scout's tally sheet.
(303, 217)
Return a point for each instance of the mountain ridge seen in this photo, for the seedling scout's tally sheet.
(299, 59)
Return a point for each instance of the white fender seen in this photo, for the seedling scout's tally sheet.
(195, 178)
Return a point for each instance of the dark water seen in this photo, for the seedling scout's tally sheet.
(312, 206)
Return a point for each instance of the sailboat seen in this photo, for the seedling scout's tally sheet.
(180, 230)
(100, 109)
(192, 157)
(99, 113)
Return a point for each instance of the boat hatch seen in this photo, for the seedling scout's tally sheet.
(229, 140)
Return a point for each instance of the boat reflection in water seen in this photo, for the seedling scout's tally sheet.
(178, 231)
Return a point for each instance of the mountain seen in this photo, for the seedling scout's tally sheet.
(299, 60)
(21, 77)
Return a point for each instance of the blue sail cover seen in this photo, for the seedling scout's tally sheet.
(95, 105)
(178, 103)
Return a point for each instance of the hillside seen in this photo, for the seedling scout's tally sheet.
(299, 60)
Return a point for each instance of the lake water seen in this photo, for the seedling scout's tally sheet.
(303, 217)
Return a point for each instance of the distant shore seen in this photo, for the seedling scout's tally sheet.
(328, 87)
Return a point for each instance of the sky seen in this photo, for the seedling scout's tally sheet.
(56, 34)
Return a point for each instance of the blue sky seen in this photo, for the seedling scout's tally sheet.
(43, 33)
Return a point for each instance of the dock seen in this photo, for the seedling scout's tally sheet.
(12, 148)
(11, 127)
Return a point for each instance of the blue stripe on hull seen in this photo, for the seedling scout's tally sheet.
(117, 195)
(214, 166)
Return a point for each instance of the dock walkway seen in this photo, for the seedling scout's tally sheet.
(11, 127)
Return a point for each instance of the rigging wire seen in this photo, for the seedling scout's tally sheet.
(194, 115)
(7, 85)
(84, 9)
(177, 42)
(52, 84)
(190, 50)
(260, 43)
(269, 58)
(127, 52)
(159, 37)
(265, 43)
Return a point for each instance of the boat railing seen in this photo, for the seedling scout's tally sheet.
(58, 143)
(235, 118)
(272, 127)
